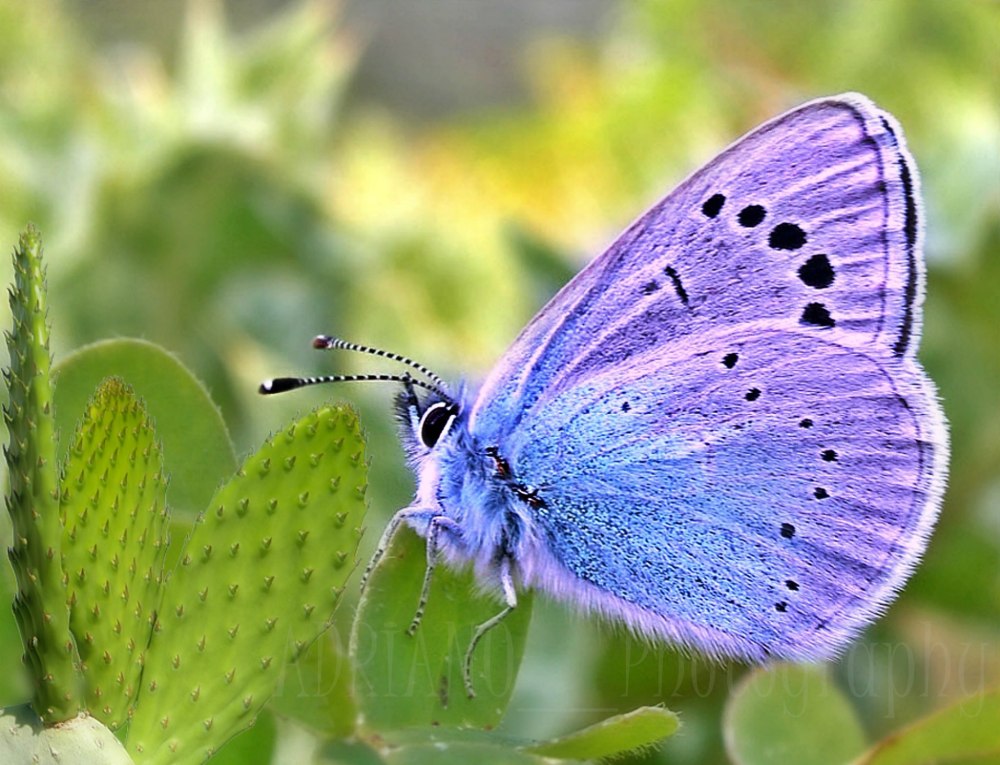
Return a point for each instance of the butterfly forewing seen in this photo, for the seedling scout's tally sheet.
(810, 220)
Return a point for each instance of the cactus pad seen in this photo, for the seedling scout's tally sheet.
(113, 508)
(32, 497)
(82, 739)
(261, 573)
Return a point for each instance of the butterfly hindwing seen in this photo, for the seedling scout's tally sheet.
(760, 491)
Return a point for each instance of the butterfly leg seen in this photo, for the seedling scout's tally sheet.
(510, 597)
(404, 515)
(434, 528)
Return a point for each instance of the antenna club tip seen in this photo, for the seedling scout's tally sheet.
(322, 341)
(279, 385)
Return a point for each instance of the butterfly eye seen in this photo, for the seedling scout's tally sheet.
(435, 422)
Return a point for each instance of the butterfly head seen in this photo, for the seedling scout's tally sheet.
(427, 423)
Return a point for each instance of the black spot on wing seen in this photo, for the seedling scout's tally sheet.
(730, 359)
(787, 530)
(751, 215)
(675, 279)
(817, 272)
(818, 315)
(713, 205)
(786, 236)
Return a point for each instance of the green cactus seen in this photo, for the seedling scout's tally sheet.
(261, 573)
(190, 660)
(40, 605)
(24, 739)
(113, 506)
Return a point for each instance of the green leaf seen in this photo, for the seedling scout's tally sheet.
(791, 713)
(251, 746)
(968, 731)
(444, 745)
(617, 735)
(428, 746)
(114, 513)
(341, 752)
(405, 681)
(315, 691)
(197, 453)
(40, 606)
(261, 573)
(445, 753)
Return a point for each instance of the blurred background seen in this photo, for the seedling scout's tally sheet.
(230, 179)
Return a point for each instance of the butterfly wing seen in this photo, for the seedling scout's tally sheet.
(758, 492)
(811, 220)
(733, 444)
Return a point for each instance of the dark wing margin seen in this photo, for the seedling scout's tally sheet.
(911, 230)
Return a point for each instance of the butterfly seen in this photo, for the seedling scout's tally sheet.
(718, 432)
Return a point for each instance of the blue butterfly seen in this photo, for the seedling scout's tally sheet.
(718, 432)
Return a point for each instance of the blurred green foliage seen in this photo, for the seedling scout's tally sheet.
(232, 200)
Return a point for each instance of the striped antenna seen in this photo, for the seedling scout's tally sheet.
(324, 342)
(282, 384)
